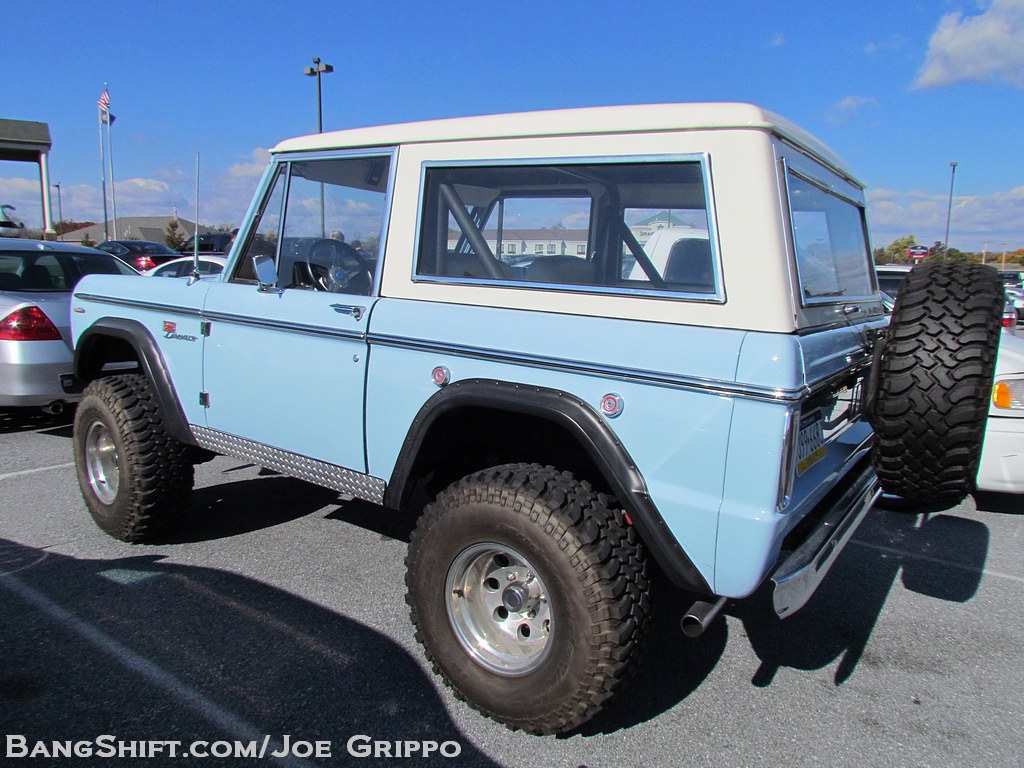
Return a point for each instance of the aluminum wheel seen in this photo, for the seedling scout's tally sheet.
(101, 462)
(499, 609)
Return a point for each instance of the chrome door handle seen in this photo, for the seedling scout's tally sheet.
(347, 309)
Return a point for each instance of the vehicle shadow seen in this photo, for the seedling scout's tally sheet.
(151, 651)
(1000, 503)
(242, 506)
(35, 419)
(937, 555)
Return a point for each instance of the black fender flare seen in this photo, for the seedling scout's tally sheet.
(587, 427)
(151, 362)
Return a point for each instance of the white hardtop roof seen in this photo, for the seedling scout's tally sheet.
(645, 118)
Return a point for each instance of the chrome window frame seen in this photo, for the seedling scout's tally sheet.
(702, 158)
(281, 165)
(789, 170)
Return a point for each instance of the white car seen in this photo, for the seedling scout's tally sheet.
(208, 266)
(679, 255)
(1002, 457)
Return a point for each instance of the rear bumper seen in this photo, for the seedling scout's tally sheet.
(30, 373)
(800, 572)
(1002, 458)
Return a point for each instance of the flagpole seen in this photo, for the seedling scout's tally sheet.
(110, 159)
(103, 172)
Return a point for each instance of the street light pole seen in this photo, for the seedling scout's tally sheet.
(60, 214)
(949, 210)
(316, 71)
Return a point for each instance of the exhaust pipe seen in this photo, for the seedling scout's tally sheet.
(700, 616)
(56, 408)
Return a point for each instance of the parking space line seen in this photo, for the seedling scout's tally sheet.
(939, 561)
(227, 721)
(24, 472)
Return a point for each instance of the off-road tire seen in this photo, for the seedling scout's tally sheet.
(135, 478)
(935, 380)
(584, 553)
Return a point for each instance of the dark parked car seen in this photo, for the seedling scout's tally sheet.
(1013, 279)
(36, 279)
(209, 242)
(141, 254)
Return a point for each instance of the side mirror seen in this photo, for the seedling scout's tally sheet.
(266, 274)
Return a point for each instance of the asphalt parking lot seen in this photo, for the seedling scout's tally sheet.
(276, 617)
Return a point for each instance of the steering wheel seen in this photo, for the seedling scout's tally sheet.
(339, 268)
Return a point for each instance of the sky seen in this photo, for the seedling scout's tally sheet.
(899, 89)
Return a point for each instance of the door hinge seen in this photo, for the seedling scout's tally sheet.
(204, 399)
(204, 327)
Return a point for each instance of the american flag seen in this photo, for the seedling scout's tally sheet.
(104, 100)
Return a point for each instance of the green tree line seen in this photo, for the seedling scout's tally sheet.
(896, 253)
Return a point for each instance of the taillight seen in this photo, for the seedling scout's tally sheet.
(143, 263)
(1010, 321)
(28, 324)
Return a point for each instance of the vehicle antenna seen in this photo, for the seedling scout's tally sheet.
(195, 240)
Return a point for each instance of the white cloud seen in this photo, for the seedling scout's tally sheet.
(778, 40)
(988, 47)
(250, 170)
(224, 194)
(996, 219)
(848, 108)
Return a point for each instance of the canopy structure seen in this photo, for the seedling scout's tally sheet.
(29, 142)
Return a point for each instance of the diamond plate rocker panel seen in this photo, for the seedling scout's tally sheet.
(343, 480)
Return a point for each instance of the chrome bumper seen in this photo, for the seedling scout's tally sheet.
(799, 574)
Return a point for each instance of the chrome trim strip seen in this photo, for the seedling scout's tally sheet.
(281, 325)
(175, 309)
(253, 322)
(712, 386)
(347, 481)
(703, 158)
(606, 290)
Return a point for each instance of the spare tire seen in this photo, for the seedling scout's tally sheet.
(934, 381)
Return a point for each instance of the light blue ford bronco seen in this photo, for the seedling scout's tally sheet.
(573, 343)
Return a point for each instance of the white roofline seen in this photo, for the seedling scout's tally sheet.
(641, 118)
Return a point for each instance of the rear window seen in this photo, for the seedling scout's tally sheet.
(833, 256)
(51, 271)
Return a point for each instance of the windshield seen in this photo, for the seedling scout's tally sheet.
(832, 252)
(50, 271)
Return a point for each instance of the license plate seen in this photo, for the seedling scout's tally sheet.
(811, 442)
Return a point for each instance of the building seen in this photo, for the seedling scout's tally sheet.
(29, 142)
(136, 228)
(560, 241)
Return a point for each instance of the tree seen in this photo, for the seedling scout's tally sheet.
(88, 242)
(175, 238)
(896, 251)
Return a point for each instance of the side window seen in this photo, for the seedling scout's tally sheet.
(832, 252)
(607, 227)
(323, 221)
